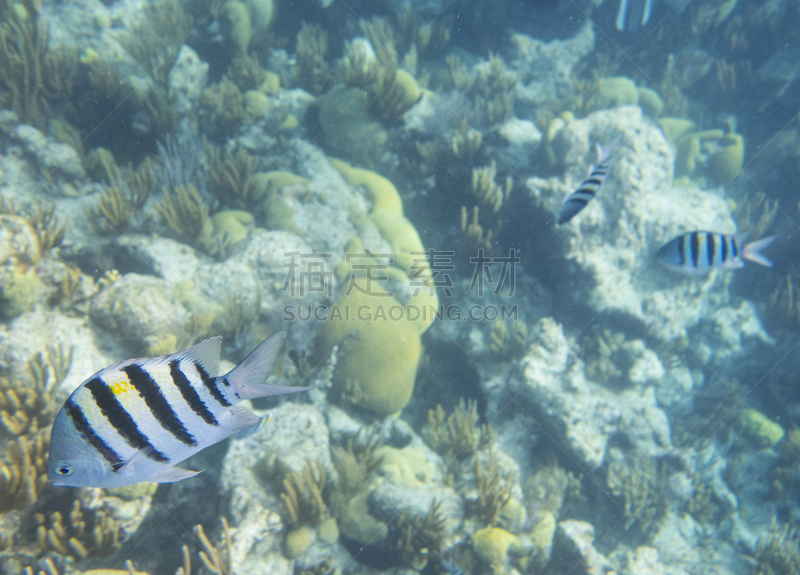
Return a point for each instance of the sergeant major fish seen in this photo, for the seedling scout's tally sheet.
(633, 13)
(134, 421)
(700, 252)
(578, 199)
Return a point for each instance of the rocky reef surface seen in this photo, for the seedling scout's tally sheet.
(492, 392)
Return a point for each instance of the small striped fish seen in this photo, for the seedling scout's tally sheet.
(134, 421)
(701, 252)
(578, 199)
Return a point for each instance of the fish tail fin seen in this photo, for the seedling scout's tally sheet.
(604, 152)
(752, 251)
(248, 379)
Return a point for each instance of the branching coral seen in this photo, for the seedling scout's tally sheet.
(164, 27)
(26, 408)
(421, 33)
(640, 485)
(452, 153)
(778, 553)
(486, 191)
(459, 435)
(703, 505)
(359, 65)
(231, 179)
(29, 70)
(488, 84)
(354, 464)
(494, 492)
(186, 214)
(119, 204)
(508, 342)
(215, 559)
(395, 90)
(43, 220)
(23, 471)
(180, 163)
(223, 103)
(755, 214)
(302, 495)
(421, 537)
(246, 72)
(472, 232)
(312, 47)
(599, 355)
(82, 536)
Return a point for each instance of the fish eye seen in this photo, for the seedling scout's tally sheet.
(63, 469)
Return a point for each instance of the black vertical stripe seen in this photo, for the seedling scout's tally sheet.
(211, 384)
(711, 247)
(120, 419)
(724, 249)
(189, 394)
(682, 250)
(735, 246)
(695, 246)
(592, 180)
(157, 403)
(85, 429)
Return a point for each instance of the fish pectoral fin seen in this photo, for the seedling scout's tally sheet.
(129, 467)
(173, 474)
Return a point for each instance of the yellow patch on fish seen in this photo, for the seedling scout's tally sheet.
(120, 385)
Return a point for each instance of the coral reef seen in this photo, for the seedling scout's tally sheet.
(24, 470)
(186, 215)
(78, 535)
(458, 435)
(215, 558)
(777, 552)
(640, 486)
(421, 537)
(494, 492)
(312, 47)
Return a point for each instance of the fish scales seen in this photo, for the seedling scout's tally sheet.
(134, 421)
(190, 394)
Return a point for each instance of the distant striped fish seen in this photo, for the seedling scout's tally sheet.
(578, 199)
(701, 252)
(633, 14)
(136, 420)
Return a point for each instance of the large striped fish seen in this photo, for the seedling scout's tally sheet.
(578, 199)
(134, 421)
(701, 252)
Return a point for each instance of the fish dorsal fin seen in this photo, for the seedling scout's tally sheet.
(206, 354)
(172, 475)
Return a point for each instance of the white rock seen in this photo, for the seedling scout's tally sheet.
(586, 413)
(31, 333)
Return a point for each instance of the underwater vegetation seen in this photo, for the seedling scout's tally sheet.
(778, 552)
(217, 136)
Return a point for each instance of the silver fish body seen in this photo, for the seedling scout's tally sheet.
(134, 421)
(598, 173)
(700, 252)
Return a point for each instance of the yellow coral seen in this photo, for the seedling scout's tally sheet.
(759, 428)
(492, 544)
(382, 192)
